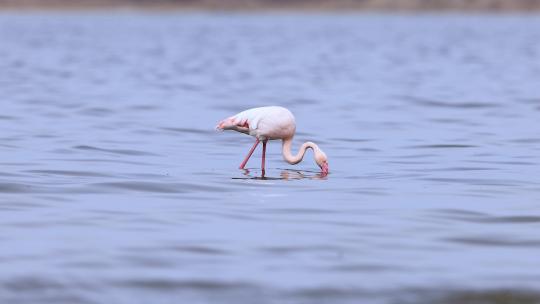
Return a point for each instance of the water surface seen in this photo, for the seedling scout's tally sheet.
(114, 187)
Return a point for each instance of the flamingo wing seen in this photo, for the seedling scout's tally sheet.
(270, 122)
(235, 124)
(242, 122)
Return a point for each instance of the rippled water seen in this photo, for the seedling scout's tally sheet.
(114, 187)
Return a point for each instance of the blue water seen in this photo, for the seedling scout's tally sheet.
(115, 188)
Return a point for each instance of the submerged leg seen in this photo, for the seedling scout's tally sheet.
(263, 155)
(243, 164)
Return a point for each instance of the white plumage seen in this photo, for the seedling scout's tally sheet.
(272, 122)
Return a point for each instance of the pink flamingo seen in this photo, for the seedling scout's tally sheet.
(269, 123)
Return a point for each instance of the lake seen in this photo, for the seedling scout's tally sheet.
(115, 187)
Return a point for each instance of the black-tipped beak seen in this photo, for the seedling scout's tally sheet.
(324, 168)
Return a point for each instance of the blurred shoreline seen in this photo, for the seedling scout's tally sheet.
(281, 5)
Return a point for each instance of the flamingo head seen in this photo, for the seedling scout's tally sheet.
(322, 161)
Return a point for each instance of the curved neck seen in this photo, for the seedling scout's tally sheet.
(295, 159)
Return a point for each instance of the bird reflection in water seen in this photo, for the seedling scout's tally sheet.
(285, 174)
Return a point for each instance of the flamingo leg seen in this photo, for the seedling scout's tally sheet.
(263, 155)
(243, 164)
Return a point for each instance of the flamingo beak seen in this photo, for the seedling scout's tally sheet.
(324, 168)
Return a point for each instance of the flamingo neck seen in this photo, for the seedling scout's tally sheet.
(295, 159)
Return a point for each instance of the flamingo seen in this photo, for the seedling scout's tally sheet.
(272, 123)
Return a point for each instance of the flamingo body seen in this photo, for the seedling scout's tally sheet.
(271, 123)
(264, 123)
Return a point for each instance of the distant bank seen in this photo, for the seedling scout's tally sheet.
(383, 5)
